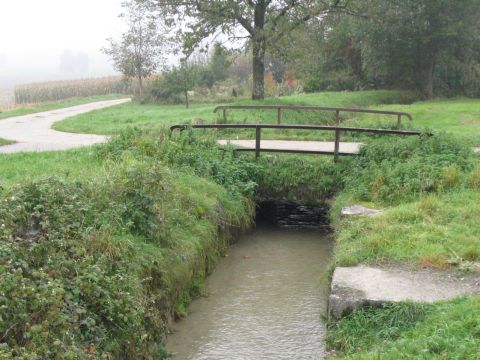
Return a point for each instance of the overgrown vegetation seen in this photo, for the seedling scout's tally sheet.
(92, 268)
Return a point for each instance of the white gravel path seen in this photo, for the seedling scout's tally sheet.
(33, 132)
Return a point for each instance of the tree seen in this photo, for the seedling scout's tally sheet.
(263, 23)
(409, 40)
(139, 52)
(180, 80)
(219, 63)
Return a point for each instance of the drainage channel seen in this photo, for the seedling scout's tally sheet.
(265, 300)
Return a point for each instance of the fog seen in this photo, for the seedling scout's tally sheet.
(55, 39)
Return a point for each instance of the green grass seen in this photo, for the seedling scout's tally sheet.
(77, 164)
(449, 330)
(113, 120)
(34, 108)
(436, 231)
(459, 117)
(429, 191)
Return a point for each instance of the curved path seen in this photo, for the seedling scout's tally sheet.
(33, 132)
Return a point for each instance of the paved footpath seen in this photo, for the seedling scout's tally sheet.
(33, 132)
(326, 146)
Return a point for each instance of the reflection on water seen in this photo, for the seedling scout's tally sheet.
(265, 301)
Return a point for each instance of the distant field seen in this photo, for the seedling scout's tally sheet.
(49, 91)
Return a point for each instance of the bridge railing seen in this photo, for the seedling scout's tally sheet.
(337, 110)
(258, 129)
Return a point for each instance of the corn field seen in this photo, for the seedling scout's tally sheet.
(60, 90)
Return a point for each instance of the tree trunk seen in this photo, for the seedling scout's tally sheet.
(140, 86)
(259, 47)
(186, 98)
(425, 77)
(258, 91)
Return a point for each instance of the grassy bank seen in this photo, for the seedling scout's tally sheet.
(34, 108)
(429, 191)
(94, 266)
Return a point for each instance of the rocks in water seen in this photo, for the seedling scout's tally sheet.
(354, 287)
(359, 210)
(290, 214)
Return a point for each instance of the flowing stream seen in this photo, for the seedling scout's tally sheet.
(266, 300)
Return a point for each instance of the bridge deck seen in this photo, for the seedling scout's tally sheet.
(346, 148)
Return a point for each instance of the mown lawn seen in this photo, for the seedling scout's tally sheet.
(34, 108)
(112, 120)
(460, 117)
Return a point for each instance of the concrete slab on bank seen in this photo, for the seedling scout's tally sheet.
(357, 286)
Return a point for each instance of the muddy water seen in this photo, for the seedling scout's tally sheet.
(265, 300)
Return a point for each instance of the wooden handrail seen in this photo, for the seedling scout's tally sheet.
(279, 109)
(338, 130)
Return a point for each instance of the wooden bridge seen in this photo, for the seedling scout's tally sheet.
(335, 148)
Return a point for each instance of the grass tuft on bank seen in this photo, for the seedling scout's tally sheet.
(448, 330)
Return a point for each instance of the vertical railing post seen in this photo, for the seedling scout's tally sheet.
(224, 116)
(337, 136)
(257, 141)
(399, 121)
(279, 115)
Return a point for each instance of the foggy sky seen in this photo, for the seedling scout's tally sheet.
(55, 39)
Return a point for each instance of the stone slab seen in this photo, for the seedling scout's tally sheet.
(359, 210)
(354, 287)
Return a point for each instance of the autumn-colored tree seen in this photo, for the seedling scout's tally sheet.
(263, 23)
